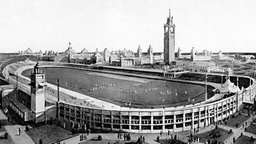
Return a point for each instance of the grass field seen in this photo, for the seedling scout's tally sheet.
(123, 90)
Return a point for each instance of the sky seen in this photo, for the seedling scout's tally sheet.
(226, 25)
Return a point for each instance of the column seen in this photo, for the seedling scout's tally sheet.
(163, 128)
(121, 121)
(140, 121)
(192, 120)
(74, 115)
(222, 117)
(237, 102)
(111, 120)
(237, 80)
(183, 121)
(90, 118)
(151, 117)
(102, 120)
(216, 112)
(174, 121)
(206, 117)
(199, 117)
(130, 121)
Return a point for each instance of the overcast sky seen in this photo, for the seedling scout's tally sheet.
(227, 25)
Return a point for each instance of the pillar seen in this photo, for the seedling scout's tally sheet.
(216, 112)
(151, 124)
(163, 128)
(222, 110)
(192, 120)
(174, 122)
(237, 81)
(121, 121)
(90, 118)
(237, 102)
(130, 121)
(183, 121)
(206, 117)
(102, 120)
(140, 121)
(199, 117)
(111, 120)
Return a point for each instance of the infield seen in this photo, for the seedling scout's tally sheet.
(125, 90)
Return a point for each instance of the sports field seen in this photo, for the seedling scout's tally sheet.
(125, 90)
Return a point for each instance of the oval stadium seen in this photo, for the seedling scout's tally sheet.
(135, 100)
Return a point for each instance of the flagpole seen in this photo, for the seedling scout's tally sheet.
(205, 87)
(17, 78)
(58, 99)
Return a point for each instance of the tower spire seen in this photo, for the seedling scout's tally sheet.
(169, 40)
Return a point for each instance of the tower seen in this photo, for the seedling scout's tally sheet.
(106, 55)
(193, 53)
(139, 51)
(150, 54)
(179, 53)
(37, 91)
(169, 40)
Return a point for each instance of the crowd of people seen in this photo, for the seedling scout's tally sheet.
(124, 136)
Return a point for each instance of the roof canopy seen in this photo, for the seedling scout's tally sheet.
(228, 86)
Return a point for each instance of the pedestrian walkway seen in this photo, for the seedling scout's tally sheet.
(23, 138)
(149, 138)
(237, 131)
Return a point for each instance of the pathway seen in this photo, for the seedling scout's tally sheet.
(23, 138)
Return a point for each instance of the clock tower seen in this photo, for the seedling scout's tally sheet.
(169, 40)
(37, 91)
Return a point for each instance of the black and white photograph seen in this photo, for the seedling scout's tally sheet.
(127, 72)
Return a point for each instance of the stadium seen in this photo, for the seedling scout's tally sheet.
(136, 100)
